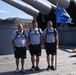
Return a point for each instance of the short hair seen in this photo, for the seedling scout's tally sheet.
(34, 21)
(50, 22)
(19, 24)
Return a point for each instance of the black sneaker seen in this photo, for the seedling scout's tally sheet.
(33, 68)
(52, 68)
(37, 68)
(48, 68)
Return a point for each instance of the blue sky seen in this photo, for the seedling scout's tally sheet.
(7, 11)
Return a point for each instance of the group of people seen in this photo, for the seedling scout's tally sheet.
(34, 39)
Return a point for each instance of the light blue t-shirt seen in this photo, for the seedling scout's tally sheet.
(20, 39)
(35, 35)
(49, 35)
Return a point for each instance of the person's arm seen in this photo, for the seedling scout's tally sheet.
(13, 45)
(13, 41)
(27, 43)
(43, 40)
(27, 39)
(43, 37)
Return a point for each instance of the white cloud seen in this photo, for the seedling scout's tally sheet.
(4, 11)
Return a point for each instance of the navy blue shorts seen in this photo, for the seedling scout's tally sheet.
(20, 52)
(50, 48)
(35, 50)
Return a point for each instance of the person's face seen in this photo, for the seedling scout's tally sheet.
(20, 27)
(50, 24)
(34, 24)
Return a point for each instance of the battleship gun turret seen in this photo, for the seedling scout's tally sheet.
(40, 10)
(46, 9)
(29, 10)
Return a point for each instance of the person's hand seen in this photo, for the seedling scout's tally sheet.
(42, 46)
(57, 46)
(27, 47)
(14, 49)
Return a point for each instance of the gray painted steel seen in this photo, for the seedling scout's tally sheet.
(6, 32)
(68, 38)
(62, 3)
(26, 8)
(40, 5)
(74, 1)
(67, 35)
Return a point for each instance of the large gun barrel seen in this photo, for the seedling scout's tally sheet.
(26, 8)
(29, 10)
(47, 12)
(40, 5)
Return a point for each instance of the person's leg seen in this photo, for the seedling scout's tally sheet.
(37, 60)
(53, 52)
(17, 56)
(17, 63)
(38, 54)
(52, 60)
(48, 60)
(32, 60)
(23, 56)
(22, 62)
(32, 53)
(37, 63)
(47, 48)
(48, 55)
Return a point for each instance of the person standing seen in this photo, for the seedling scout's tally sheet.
(19, 42)
(34, 36)
(51, 43)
